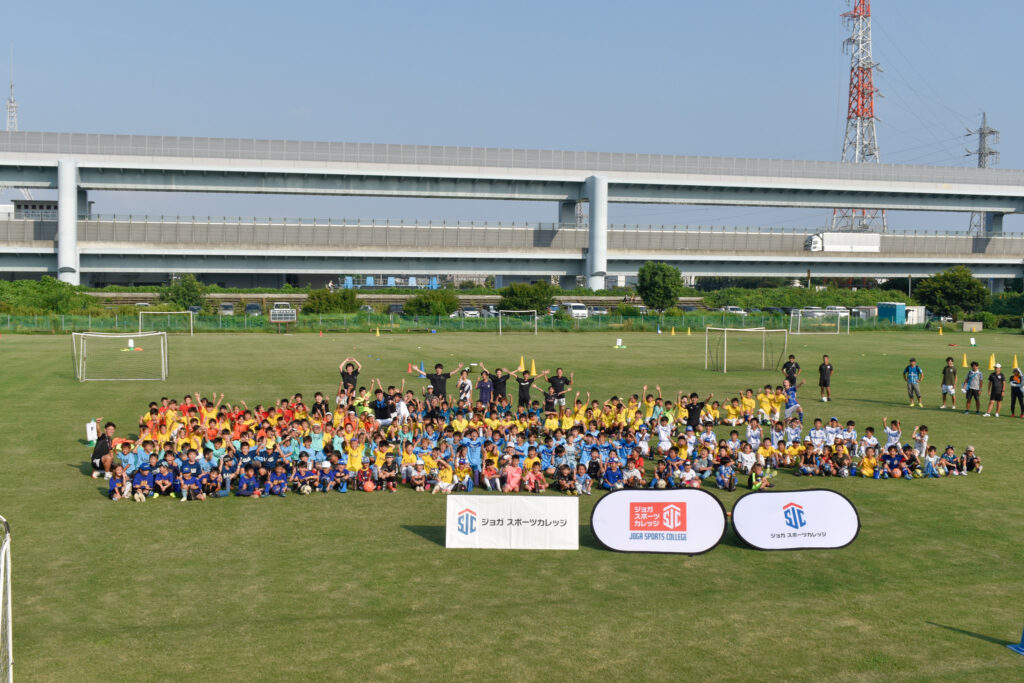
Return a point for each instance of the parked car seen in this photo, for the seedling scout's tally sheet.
(641, 309)
(812, 312)
(253, 309)
(282, 306)
(489, 312)
(735, 310)
(577, 310)
(226, 309)
(366, 308)
(553, 308)
(470, 312)
(752, 310)
(142, 304)
(195, 309)
(843, 311)
(598, 310)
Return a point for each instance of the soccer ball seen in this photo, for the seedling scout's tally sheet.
(305, 489)
(661, 484)
(619, 486)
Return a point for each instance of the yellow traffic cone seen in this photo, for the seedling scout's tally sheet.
(673, 331)
(1015, 361)
(533, 367)
(378, 331)
(687, 331)
(964, 364)
(522, 364)
(992, 361)
(940, 331)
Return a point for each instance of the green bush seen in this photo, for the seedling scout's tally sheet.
(432, 302)
(1008, 303)
(46, 295)
(322, 301)
(186, 290)
(798, 297)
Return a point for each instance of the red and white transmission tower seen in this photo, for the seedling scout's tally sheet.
(860, 145)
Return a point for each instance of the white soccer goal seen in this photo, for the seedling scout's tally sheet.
(138, 356)
(166, 321)
(752, 348)
(6, 639)
(819, 322)
(517, 321)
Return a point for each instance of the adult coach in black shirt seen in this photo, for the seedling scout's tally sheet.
(103, 453)
(790, 369)
(694, 408)
(439, 379)
(525, 382)
(825, 379)
(561, 383)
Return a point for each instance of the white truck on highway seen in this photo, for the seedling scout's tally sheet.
(863, 242)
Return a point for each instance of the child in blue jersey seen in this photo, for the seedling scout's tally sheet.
(120, 486)
(277, 482)
(662, 477)
(212, 483)
(725, 477)
(583, 481)
(191, 489)
(325, 480)
(248, 484)
(164, 482)
(142, 483)
(341, 477)
(613, 478)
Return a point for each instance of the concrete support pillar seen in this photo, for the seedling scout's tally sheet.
(67, 221)
(993, 223)
(597, 254)
(567, 212)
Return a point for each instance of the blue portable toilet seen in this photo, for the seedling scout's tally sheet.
(433, 282)
(412, 280)
(391, 280)
(369, 281)
(895, 312)
(348, 282)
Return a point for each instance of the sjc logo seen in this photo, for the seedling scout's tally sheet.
(794, 515)
(467, 521)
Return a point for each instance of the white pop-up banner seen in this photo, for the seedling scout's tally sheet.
(513, 522)
(688, 521)
(791, 520)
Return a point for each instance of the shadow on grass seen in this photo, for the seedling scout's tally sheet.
(972, 634)
(434, 534)
(85, 467)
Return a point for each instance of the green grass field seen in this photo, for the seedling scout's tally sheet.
(360, 586)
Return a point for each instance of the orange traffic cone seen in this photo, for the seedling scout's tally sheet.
(321, 333)
(410, 369)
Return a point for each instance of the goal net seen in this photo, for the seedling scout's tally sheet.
(138, 356)
(6, 640)
(517, 321)
(739, 349)
(166, 321)
(819, 322)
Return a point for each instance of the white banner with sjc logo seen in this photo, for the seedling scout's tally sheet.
(792, 520)
(513, 522)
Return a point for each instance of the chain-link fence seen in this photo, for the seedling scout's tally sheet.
(390, 324)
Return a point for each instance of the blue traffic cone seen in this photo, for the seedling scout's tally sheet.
(421, 367)
(1019, 647)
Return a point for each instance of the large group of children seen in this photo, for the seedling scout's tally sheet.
(377, 438)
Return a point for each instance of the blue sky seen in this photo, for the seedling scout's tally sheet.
(740, 78)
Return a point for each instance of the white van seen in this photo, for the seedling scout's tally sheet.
(577, 310)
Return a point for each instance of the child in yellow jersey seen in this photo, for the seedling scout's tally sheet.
(866, 466)
(778, 400)
(551, 422)
(765, 410)
(749, 405)
(768, 454)
(793, 453)
(733, 412)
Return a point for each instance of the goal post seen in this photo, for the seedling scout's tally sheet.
(819, 322)
(516, 321)
(166, 321)
(6, 637)
(109, 357)
(750, 348)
